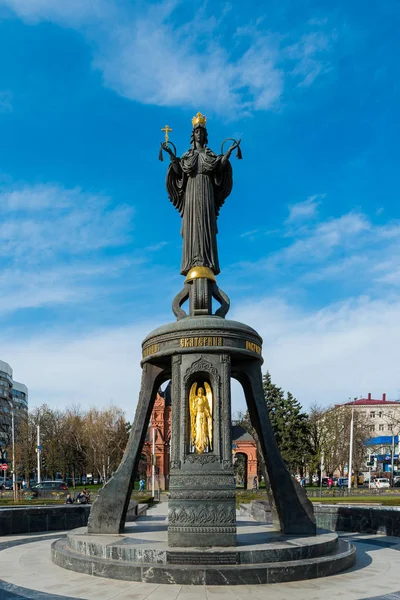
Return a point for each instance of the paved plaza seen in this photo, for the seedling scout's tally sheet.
(26, 571)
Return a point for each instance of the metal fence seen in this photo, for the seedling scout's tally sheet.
(344, 491)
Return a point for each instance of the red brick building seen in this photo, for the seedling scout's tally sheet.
(243, 443)
(160, 424)
(160, 427)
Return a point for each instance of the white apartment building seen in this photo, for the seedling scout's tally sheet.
(383, 416)
(13, 399)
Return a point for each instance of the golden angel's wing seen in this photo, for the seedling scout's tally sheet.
(192, 410)
(210, 408)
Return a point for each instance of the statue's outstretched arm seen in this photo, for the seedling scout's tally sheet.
(227, 155)
(175, 160)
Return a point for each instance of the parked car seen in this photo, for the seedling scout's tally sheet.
(52, 485)
(6, 485)
(380, 483)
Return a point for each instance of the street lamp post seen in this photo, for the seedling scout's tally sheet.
(14, 475)
(351, 448)
(392, 425)
(392, 469)
(38, 450)
(13, 454)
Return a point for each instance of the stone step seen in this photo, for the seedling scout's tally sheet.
(276, 548)
(341, 559)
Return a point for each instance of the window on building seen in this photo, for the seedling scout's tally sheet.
(381, 427)
(372, 414)
(380, 414)
(372, 427)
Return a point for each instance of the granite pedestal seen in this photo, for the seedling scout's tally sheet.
(260, 555)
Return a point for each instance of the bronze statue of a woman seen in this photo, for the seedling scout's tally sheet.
(197, 185)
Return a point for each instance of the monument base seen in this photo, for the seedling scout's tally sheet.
(142, 554)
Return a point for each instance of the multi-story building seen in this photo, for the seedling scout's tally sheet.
(382, 416)
(382, 419)
(20, 399)
(6, 384)
(13, 398)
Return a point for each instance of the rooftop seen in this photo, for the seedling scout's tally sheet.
(370, 401)
(240, 434)
(20, 387)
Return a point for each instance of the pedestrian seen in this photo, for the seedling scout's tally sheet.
(330, 483)
(141, 485)
(23, 484)
(68, 499)
(81, 498)
(255, 483)
(86, 495)
(303, 482)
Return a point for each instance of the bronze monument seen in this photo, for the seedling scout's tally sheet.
(200, 352)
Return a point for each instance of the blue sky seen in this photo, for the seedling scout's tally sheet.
(308, 240)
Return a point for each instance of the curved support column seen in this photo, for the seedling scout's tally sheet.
(179, 300)
(293, 508)
(110, 507)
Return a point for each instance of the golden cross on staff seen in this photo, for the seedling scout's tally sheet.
(167, 129)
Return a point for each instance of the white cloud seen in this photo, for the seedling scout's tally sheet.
(310, 54)
(322, 356)
(147, 54)
(347, 256)
(71, 11)
(36, 286)
(249, 234)
(54, 243)
(329, 355)
(304, 210)
(92, 369)
(38, 197)
(154, 61)
(156, 247)
(46, 219)
(318, 243)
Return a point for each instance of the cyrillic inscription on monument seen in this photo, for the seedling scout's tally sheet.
(153, 349)
(253, 347)
(203, 558)
(195, 342)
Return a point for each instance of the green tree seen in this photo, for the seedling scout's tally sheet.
(290, 424)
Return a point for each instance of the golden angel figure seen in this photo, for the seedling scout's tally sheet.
(200, 404)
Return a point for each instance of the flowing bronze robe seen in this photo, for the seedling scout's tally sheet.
(198, 191)
(202, 438)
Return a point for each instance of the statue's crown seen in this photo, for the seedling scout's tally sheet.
(199, 119)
